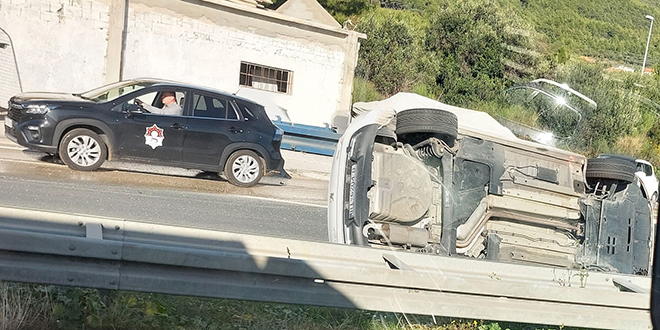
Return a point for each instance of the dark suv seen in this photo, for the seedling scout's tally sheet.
(215, 131)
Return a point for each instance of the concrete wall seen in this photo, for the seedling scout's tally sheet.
(73, 45)
(204, 44)
(10, 83)
(59, 45)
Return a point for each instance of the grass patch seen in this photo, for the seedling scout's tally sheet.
(25, 306)
(36, 307)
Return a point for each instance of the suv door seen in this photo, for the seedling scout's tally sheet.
(215, 123)
(151, 136)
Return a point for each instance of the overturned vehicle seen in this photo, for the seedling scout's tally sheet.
(416, 174)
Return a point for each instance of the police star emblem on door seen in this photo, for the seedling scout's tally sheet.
(154, 137)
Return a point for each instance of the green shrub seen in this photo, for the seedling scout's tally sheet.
(364, 91)
(389, 56)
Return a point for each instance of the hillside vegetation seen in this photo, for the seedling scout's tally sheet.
(467, 52)
(601, 28)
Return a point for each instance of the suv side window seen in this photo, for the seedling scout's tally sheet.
(251, 111)
(148, 98)
(648, 170)
(641, 167)
(213, 107)
(154, 100)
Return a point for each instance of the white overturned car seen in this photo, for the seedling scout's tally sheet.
(412, 173)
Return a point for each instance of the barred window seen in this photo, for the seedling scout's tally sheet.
(265, 78)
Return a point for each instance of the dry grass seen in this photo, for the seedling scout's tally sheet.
(38, 307)
(24, 307)
(630, 145)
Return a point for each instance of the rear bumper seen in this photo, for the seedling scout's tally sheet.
(350, 177)
(280, 168)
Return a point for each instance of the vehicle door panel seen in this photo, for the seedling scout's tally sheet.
(215, 123)
(151, 136)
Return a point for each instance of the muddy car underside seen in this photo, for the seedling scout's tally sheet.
(431, 190)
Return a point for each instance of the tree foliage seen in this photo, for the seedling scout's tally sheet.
(459, 52)
(482, 48)
(390, 56)
(467, 52)
(610, 29)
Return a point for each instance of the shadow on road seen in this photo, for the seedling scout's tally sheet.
(271, 179)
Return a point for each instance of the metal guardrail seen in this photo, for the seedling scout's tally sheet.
(312, 139)
(76, 250)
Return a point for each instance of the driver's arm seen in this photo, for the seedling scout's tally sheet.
(148, 107)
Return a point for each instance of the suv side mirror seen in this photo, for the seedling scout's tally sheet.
(133, 109)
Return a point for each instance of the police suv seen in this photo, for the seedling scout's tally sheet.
(215, 131)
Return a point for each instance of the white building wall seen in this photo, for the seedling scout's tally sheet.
(180, 45)
(59, 45)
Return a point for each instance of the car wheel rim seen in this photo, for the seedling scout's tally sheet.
(84, 151)
(245, 169)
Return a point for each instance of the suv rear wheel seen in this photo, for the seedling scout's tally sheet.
(82, 150)
(244, 168)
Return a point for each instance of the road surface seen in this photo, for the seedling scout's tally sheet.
(291, 208)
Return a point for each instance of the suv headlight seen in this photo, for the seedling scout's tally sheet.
(37, 109)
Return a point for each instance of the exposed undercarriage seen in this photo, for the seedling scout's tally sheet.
(435, 191)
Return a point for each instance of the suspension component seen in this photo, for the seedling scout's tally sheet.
(431, 147)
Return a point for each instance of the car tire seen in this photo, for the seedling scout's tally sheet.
(610, 168)
(82, 150)
(244, 168)
(416, 125)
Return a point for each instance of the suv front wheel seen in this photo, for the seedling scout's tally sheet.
(82, 150)
(244, 168)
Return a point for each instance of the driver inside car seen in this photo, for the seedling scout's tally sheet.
(170, 107)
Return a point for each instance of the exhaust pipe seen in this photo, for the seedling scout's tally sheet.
(402, 235)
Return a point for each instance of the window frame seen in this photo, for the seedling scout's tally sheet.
(246, 78)
(126, 99)
(230, 102)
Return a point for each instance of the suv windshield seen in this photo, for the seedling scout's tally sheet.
(112, 91)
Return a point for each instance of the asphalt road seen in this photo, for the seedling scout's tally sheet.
(293, 208)
(254, 215)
